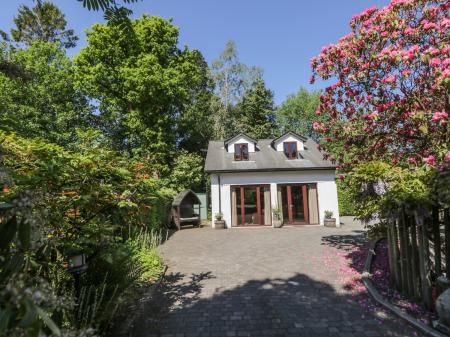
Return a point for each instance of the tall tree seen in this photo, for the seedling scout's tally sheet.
(46, 103)
(231, 79)
(143, 82)
(298, 113)
(44, 22)
(254, 114)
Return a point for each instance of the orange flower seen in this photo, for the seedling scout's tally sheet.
(6, 189)
(69, 193)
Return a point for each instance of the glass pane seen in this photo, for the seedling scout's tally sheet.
(238, 206)
(237, 152)
(286, 149)
(284, 194)
(251, 211)
(298, 213)
(293, 150)
(245, 151)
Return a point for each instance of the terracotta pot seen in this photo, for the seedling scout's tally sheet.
(330, 222)
(219, 224)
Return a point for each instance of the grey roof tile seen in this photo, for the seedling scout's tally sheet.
(266, 158)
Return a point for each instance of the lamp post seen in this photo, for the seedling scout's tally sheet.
(77, 266)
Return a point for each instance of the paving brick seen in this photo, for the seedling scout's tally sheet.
(257, 283)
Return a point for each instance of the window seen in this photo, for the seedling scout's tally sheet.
(240, 152)
(290, 150)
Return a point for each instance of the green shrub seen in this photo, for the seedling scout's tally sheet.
(346, 199)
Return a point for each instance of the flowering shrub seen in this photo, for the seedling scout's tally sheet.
(390, 98)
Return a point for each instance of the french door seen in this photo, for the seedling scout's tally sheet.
(295, 204)
(250, 205)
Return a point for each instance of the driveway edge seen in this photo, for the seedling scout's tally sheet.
(385, 303)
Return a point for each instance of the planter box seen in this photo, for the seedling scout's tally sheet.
(329, 222)
(277, 223)
(219, 224)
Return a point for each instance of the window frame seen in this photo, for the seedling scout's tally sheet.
(241, 156)
(290, 154)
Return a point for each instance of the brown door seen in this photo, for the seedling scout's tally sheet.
(251, 208)
(295, 204)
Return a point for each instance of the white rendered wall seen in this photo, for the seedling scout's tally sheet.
(289, 138)
(241, 140)
(326, 188)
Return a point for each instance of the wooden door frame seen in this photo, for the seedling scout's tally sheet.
(240, 188)
(304, 188)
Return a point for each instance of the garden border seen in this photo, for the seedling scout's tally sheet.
(385, 303)
(125, 329)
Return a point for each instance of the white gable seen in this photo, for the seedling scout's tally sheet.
(289, 138)
(241, 140)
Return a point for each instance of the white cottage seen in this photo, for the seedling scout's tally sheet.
(250, 177)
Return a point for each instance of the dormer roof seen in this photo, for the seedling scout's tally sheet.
(241, 135)
(290, 133)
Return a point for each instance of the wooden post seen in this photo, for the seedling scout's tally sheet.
(415, 261)
(408, 257)
(403, 266)
(390, 254)
(437, 241)
(424, 258)
(396, 256)
(447, 241)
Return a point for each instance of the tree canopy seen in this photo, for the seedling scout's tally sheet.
(390, 101)
(144, 84)
(43, 22)
(298, 113)
(254, 114)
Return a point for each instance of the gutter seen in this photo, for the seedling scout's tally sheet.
(329, 168)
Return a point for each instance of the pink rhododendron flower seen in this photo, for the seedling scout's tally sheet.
(437, 116)
(435, 62)
(430, 160)
(406, 72)
(447, 156)
(390, 79)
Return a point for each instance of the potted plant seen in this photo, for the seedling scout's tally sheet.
(277, 217)
(219, 223)
(329, 221)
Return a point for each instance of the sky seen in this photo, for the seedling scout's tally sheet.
(278, 36)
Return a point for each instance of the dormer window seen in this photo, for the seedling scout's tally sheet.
(240, 152)
(290, 150)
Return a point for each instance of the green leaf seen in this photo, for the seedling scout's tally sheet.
(48, 322)
(25, 234)
(4, 320)
(7, 232)
(30, 315)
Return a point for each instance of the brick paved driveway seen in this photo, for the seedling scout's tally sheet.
(264, 282)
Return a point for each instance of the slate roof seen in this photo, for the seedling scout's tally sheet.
(266, 158)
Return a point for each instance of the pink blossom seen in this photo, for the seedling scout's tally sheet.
(435, 62)
(430, 160)
(447, 156)
(437, 116)
(412, 160)
(409, 31)
(390, 79)
(406, 72)
(372, 116)
(311, 79)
